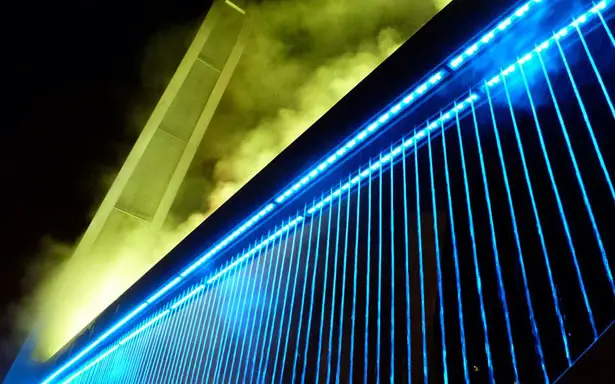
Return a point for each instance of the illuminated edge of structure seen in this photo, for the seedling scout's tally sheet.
(384, 158)
(478, 46)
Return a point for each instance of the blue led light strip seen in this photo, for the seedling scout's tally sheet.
(488, 37)
(284, 229)
(291, 224)
(592, 13)
(376, 124)
(387, 157)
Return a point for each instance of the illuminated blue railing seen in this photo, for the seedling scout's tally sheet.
(394, 153)
(489, 37)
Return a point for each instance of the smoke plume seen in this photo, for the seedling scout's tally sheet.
(301, 58)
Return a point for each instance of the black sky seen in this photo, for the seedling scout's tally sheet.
(72, 77)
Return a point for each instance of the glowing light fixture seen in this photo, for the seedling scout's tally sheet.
(196, 290)
(468, 53)
(376, 124)
(562, 33)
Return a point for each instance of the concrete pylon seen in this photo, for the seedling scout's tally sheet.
(147, 183)
(146, 186)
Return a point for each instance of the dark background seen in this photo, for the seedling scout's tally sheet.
(79, 78)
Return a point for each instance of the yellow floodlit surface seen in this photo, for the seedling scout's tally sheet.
(300, 59)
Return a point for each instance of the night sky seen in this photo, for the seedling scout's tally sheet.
(73, 82)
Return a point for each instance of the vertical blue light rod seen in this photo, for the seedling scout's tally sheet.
(272, 307)
(158, 351)
(513, 218)
(303, 292)
(588, 124)
(334, 294)
(340, 337)
(319, 351)
(199, 338)
(288, 281)
(498, 270)
(606, 28)
(135, 346)
(144, 363)
(212, 345)
(183, 315)
(292, 301)
(354, 297)
(479, 285)
(230, 286)
(528, 182)
(188, 314)
(313, 289)
(368, 274)
(202, 299)
(407, 267)
(239, 314)
(605, 260)
(206, 347)
(419, 241)
(392, 359)
(276, 293)
(596, 71)
(250, 312)
(190, 339)
(267, 291)
(255, 311)
(462, 332)
(245, 314)
(560, 207)
(380, 239)
(438, 261)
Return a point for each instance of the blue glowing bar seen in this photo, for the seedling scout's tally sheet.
(281, 327)
(438, 262)
(188, 296)
(126, 319)
(275, 296)
(293, 295)
(303, 292)
(560, 205)
(488, 37)
(378, 319)
(516, 231)
(419, 241)
(311, 301)
(341, 324)
(368, 263)
(324, 287)
(253, 251)
(462, 332)
(144, 327)
(251, 293)
(385, 158)
(227, 240)
(354, 297)
(479, 285)
(164, 289)
(593, 12)
(349, 145)
(407, 264)
(90, 365)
